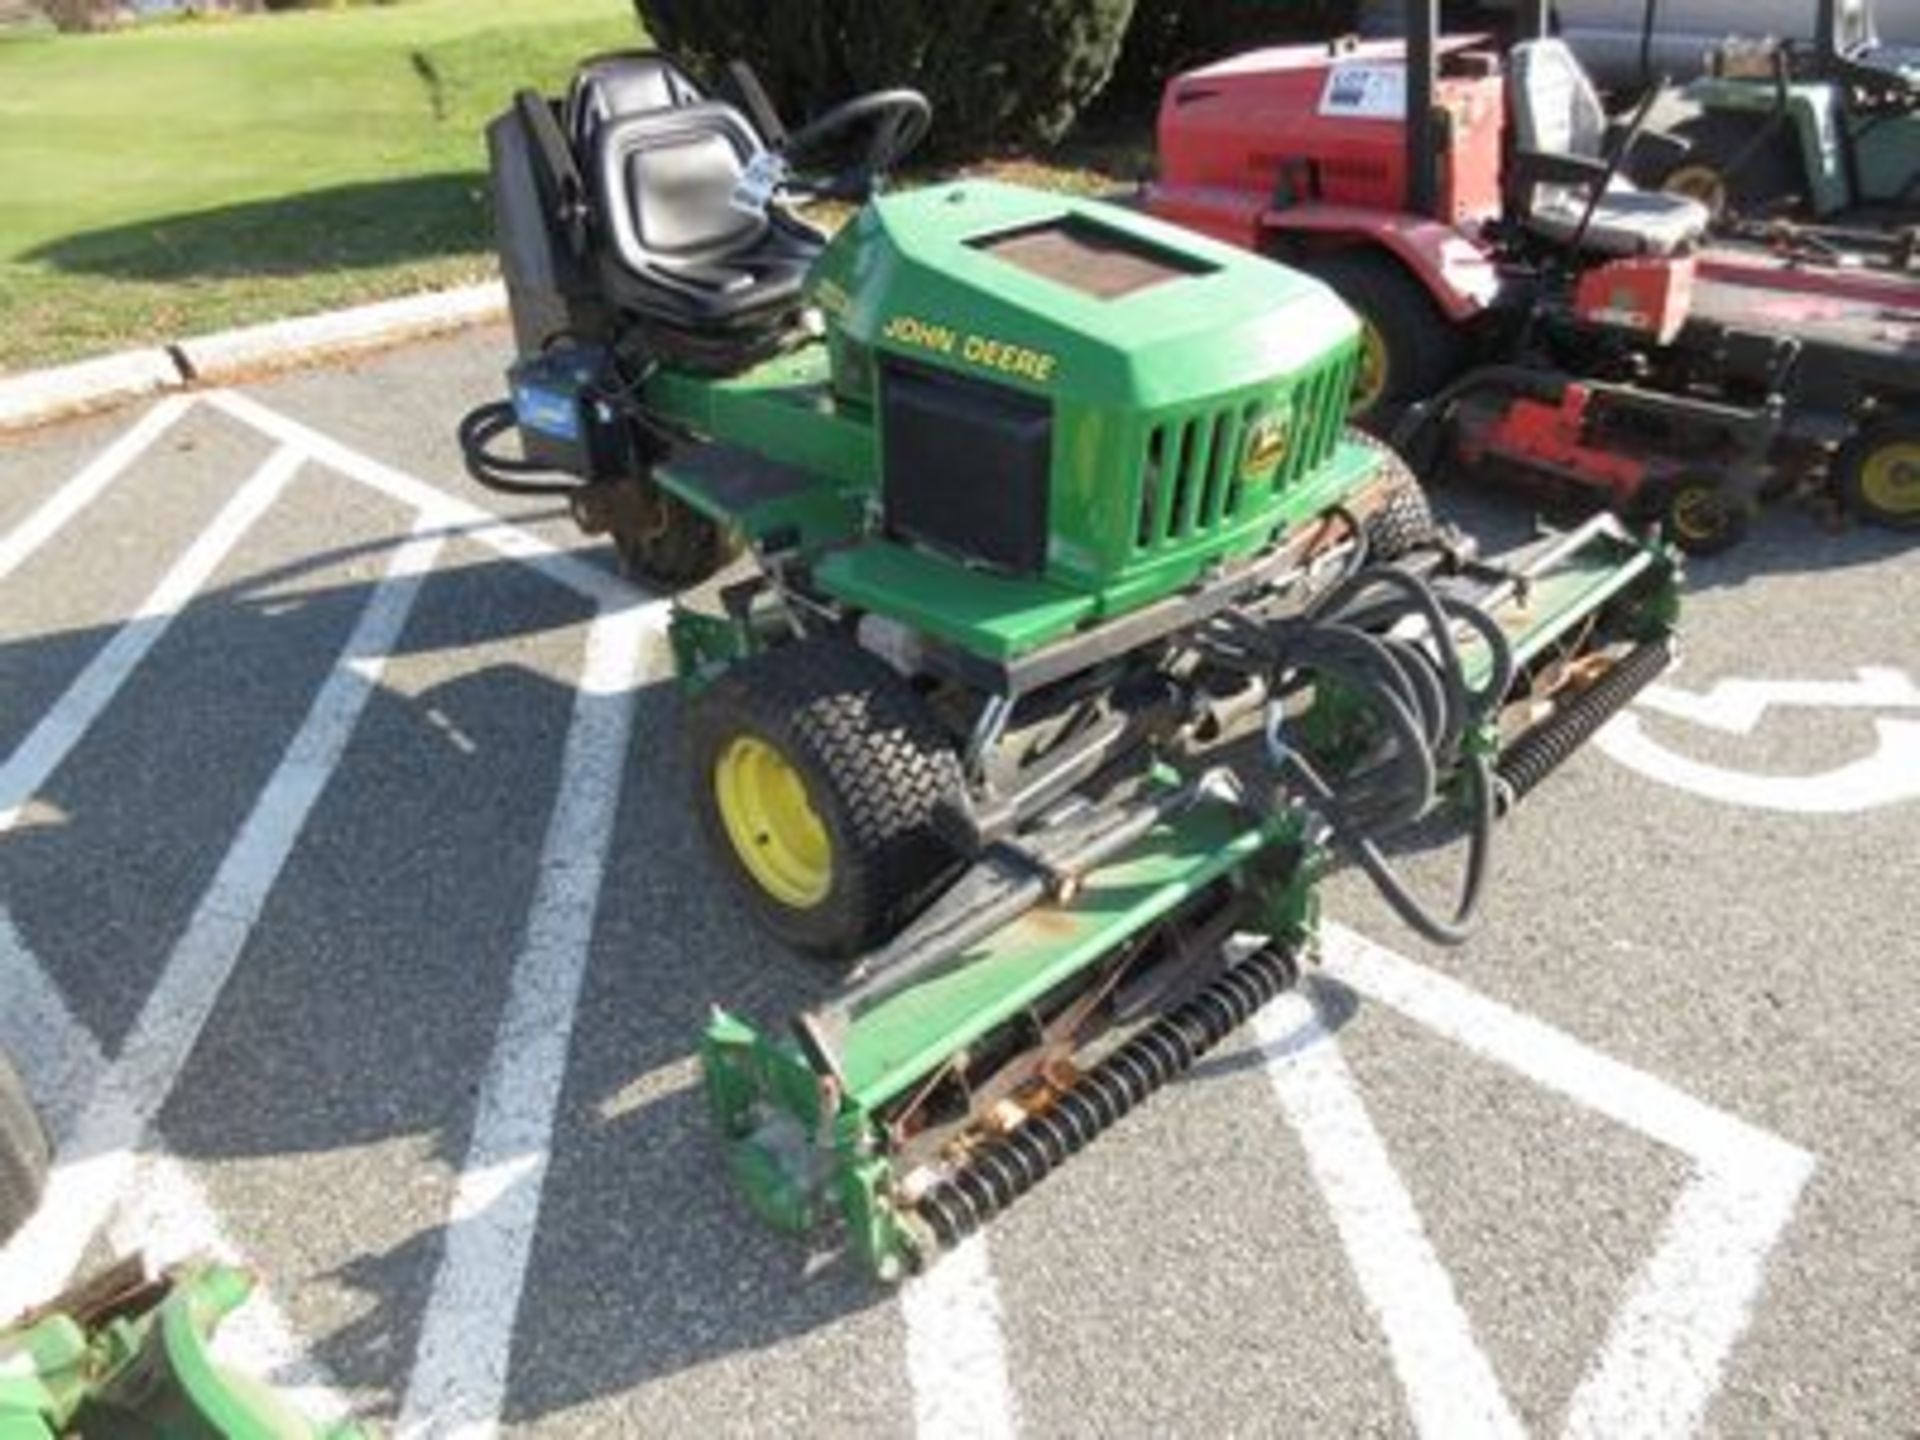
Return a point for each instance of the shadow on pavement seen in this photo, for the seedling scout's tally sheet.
(356, 1027)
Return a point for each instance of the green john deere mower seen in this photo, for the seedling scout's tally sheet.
(1042, 624)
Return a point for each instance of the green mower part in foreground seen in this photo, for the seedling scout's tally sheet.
(125, 1357)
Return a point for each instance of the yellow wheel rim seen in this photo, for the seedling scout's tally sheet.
(1702, 183)
(1370, 380)
(773, 826)
(1890, 478)
(1698, 513)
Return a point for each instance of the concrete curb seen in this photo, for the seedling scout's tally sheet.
(42, 395)
(39, 396)
(213, 359)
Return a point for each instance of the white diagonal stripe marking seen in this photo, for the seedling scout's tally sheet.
(93, 1167)
(459, 1380)
(84, 488)
(86, 699)
(1450, 1385)
(956, 1359)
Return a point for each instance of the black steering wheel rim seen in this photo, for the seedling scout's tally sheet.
(899, 120)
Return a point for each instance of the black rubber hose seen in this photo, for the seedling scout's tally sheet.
(1429, 714)
(477, 431)
(1453, 930)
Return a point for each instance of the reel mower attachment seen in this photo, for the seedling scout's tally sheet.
(1075, 970)
(929, 1097)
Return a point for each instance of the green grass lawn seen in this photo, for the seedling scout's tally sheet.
(179, 178)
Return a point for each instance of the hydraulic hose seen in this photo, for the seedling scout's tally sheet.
(477, 431)
(1385, 638)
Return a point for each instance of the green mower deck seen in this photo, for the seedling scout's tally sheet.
(814, 1118)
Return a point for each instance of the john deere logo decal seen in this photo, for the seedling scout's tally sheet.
(1266, 445)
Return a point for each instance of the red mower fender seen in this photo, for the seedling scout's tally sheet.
(1459, 274)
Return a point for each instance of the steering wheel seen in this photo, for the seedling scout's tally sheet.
(891, 122)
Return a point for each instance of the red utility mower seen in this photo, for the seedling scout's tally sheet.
(1527, 311)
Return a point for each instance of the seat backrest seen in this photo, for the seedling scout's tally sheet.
(664, 183)
(1555, 109)
(1853, 27)
(611, 87)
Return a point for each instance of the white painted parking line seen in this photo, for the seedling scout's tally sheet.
(604, 589)
(956, 1358)
(459, 1379)
(74, 713)
(1661, 1362)
(1888, 775)
(81, 491)
(56, 1055)
(93, 1166)
(1451, 1389)
(1550, 1057)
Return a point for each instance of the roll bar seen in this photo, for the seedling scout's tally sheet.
(1423, 126)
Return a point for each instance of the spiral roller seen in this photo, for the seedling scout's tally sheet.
(1541, 750)
(1005, 1168)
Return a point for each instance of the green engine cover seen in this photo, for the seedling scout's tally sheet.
(1192, 399)
(1191, 385)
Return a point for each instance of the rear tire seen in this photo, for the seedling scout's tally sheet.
(1877, 472)
(24, 1153)
(1409, 349)
(1768, 181)
(843, 871)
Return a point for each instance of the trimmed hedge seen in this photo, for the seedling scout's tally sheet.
(1168, 36)
(998, 72)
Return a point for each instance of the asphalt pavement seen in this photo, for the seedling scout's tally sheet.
(355, 924)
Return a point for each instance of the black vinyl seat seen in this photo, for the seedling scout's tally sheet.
(681, 249)
(630, 82)
(712, 281)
